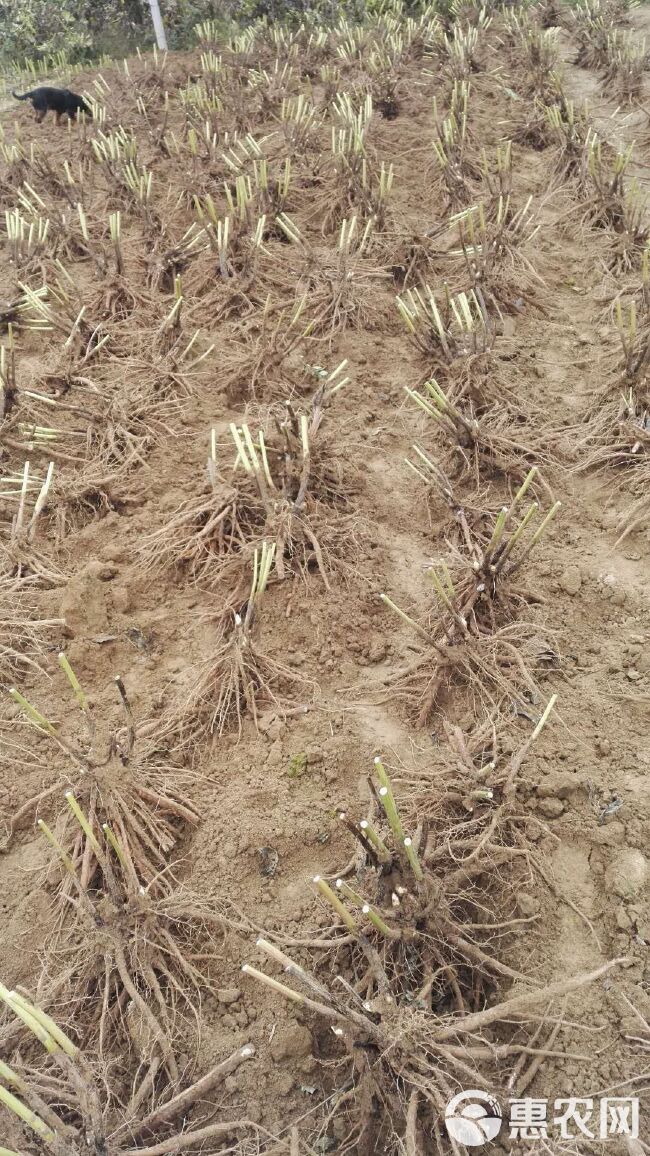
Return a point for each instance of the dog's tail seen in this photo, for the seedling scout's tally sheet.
(25, 95)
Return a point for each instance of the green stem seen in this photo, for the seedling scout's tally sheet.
(26, 1115)
(32, 713)
(83, 823)
(30, 1021)
(61, 852)
(114, 844)
(516, 535)
(412, 856)
(335, 902)
(388, 802)
(46, 1022)
(383, 854)
(74, 682)
(544, 718)
(405, 618)
(378, 922)
(350, 893)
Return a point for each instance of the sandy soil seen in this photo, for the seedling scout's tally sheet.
(563, 881)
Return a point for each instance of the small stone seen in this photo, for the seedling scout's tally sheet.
(283, 1083)
(627, 873)
(228, 995)
(551, 808)
(83, 603)
(571, 580)
(113, 551)
(633, 674)
(643, 927)
(559, 786)
(265, 722)
(618, 598)
(229, 1021)
(274, 757)
(121, 599)
(291, 1041)
(527, 905)
(623, 920)
(533, 831)
(377, 651)
(603, 746)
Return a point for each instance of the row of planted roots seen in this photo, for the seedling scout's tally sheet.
(239, 200)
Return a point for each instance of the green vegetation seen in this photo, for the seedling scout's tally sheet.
(37, 35)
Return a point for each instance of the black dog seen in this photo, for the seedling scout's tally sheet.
(61, 101)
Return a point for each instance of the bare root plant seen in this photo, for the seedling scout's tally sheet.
(58, 1097)
(590, 25)
(627, 60)
(24, 569)
(338, 282)
(406, 1011)
(239, 673)
(568, 129)
(98, 410)
(455, 329)
(458, 170)
(206, 531)
(139, 959)
(24, 637)
(617, 426)
(461, 47)
(473, 637)
(629, 454)
(260, 346)
(135, 795)
(537, 55)
(356, 184)
(23, 562)
(285, 486)
(383, 67)
(614, 206)
(493, 249)
(480, 440)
